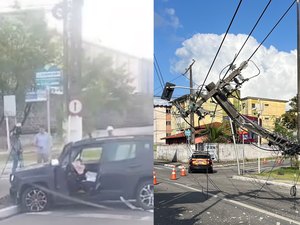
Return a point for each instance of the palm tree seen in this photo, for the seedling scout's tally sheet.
(217, 134)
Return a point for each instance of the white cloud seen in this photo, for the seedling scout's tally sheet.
(170, 11)
(173, 19)
(167, 18)
(278, 74)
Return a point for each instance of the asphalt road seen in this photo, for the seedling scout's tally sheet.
(186, 200)
(79, 215)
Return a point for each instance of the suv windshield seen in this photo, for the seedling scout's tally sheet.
(201, 156)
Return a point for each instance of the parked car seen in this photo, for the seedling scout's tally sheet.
(92, 170)
(200, 161)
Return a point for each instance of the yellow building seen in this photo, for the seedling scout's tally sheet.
(179, 124)
(162, 120)
(267, 109)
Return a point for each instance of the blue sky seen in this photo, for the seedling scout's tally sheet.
(178, 22)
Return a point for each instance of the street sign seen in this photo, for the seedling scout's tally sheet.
(36, 96)
(51, 79)
(9, 105)
(187, 133)
(75, 106)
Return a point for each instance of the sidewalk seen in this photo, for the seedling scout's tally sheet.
(4, 193)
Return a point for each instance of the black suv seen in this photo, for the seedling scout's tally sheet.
(91, 170)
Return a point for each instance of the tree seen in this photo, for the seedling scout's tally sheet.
(286, 125)
(217, 134)
(106, 93)
(289, 119)
(26, 45)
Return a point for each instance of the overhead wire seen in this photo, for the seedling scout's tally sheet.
(159, 78)
(272, 29)
(228, 28)
(157, 64)
(249, 35)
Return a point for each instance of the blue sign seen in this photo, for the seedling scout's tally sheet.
(187, 133)
(36, 96)
(51, 79)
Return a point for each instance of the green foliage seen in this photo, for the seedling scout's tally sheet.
(106, 92)
(217, 134)
(287, 123)
(283, 173)
(26, 46)
(281, 129)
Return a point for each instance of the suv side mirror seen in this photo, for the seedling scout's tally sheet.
(54, 162)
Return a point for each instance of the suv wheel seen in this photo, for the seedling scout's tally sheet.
(145, 195)
(34, 200)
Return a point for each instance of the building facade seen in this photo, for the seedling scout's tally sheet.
(162, 121)
(267, 110)
(263, 109)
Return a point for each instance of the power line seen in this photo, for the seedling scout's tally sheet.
(159, 78)
(169, 81)
(249, 35)
(272, 29)
(232, 19)
(158, 68)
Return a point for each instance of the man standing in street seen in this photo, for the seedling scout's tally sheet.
(42, 141)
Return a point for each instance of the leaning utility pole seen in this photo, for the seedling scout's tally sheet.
(192, 127)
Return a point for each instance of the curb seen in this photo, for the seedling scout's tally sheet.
(262, 181)
(172, 165)
(9, 211)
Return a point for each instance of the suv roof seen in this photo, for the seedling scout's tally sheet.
(111, 138)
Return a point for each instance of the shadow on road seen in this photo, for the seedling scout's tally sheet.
(169, 207)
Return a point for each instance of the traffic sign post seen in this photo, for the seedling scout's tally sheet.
(75, 120)
(75, 107)
(51, 79)
(187, 133)
(9, 111)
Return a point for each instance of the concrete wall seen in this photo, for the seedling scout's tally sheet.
(225, 152)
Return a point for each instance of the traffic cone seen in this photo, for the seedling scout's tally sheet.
(183, 171)
(154, 178)
(173, 174)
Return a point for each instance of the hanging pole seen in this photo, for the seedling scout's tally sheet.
(192, 126)
(48, 111)
(235, 147)
(7, 134)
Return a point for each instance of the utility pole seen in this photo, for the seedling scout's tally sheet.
(298, 73)
(192, 127)
(66, 34)
(74, 57)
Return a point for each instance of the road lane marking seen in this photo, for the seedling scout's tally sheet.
(243, 205)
